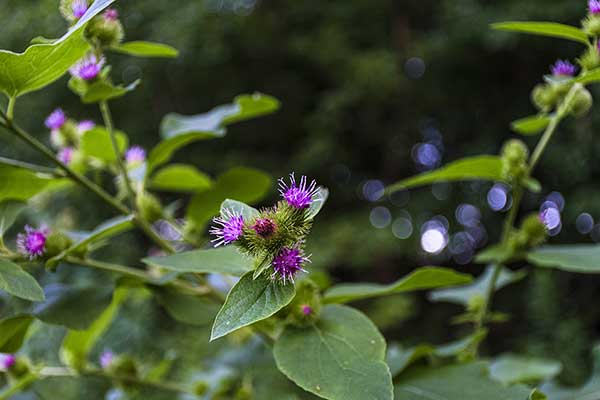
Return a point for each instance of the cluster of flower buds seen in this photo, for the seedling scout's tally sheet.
(591, 23)
(275, 236)
(514, 161)
(65, 136)
(103, 31)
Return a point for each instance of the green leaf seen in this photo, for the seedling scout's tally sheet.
(9, 211)
(463, 294)
(479, 167)
(179, 130)
(588, 77)
(225, 260)
(22, 184)
(12, 333)
(42, 64)
(531, 125)
(238, 208)
(584, 258)
(552, 29)
(512, 368)
(249, 301)
(180, 178)
(189, 309)
(146, 49)
(456, 382)
(100, 90)
(340, 357)
(14, 280)
(247, 185)
(97, 143)
(421, 279)
(318, 202)
(589, 391)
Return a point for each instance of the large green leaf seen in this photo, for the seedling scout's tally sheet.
(180, 178)
(9, 211)
(225, 260)
(531, 125)
(22, 184)
(420, 279)
(189, 309)
(583, 258)
(101, 90)
(479, 167)
(97, 143)
(179, 130)
(340, 357)
(463, 294)
(14, 280)
(456, 382)
(512, 368)
(12, 333)
(247, 185)
(42, 64)
(146, 49)
(249, 301)
(552, 29)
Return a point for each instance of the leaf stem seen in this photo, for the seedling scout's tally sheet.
(10, 108)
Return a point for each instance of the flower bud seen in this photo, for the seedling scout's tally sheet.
(535, 230)
(591, 58)
(105, 30)
(149, 206)
(514, 160)
(591, 25)
(544, 97)
(306, 306)
(72, 10)
(56, 243)
(581, 103)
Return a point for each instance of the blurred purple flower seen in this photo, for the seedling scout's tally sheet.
(594, 6)
(56, 119)
(79, 8)
(88, 68)
(135, 155)
(111, 14)
(65, 155)
(32, 243)
(7, 361)
(85, 126)
(106, 358)
(563, 68)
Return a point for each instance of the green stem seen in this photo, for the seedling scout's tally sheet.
(32, 167)
(10, 109)
(19, 386)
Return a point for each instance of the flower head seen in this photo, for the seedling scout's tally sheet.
(306, 309)
(298, 195)
(111, 14)
(228, 228)
(288, 262)
(79, 8)
(32, 243)
(88, 68)
(7, 361)
(562, 68)
(65, 155)
(85, 126)
(594, 6)
(264, 227)
(106, 358)
(135, 155)
(56, 119)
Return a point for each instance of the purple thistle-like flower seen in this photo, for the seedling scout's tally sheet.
(563, 68)
(88, 68)
(106, 358)
(56, 119)
(264, 227)
(65, 155)
(594, 7)
(135, 155)
(79, 8)
(298, 195)
(111, 14)
(7, 361)
(306, 309)
(228, 228)
(32, 243)
(288, 262)
(85, 126)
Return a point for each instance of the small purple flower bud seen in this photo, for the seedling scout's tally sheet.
(306, 309)
(88, 68)
(264, 227)
(85, 126)
(79, 8)
(7, 361)
(111, 14)
(228, 228)
(135, 155)
(288, 262)
(594, 7)
(106, 358)
(32, 243)
(298, 196)
(65, 155)
(56, 119)
(563, 68)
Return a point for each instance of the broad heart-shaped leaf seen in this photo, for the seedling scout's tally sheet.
(22, 184)
(180, 178)
(12, 333)
(189, 309)
(340, 357)
(97, 143)
(14, 280)
(99, 91)
(463, 294)
(531, 125)
(420, 279)
(249, 301)
(512, 368)
(179, 130)
(9, 211)
(42, 64)
(146, 49)
(224, 260)
(479, 167)
(552, 29)
(584, 258)
(247, 185)
(456, 382)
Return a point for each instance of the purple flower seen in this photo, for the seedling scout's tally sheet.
(264, 227)
(65, 155)
(85, 126)
(56, 119)
(32, 243)
(306, 309)
(88, 68)
(562, 68)
(288, 262)
(7, 361)
(594, 7)
(228, 228)
(106, 358)
(135, 155)
(111, 14)
(79, 8)
(298, 196)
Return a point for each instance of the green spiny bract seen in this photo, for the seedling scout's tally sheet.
(514, 160)
(104, 32)
(591, 25)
